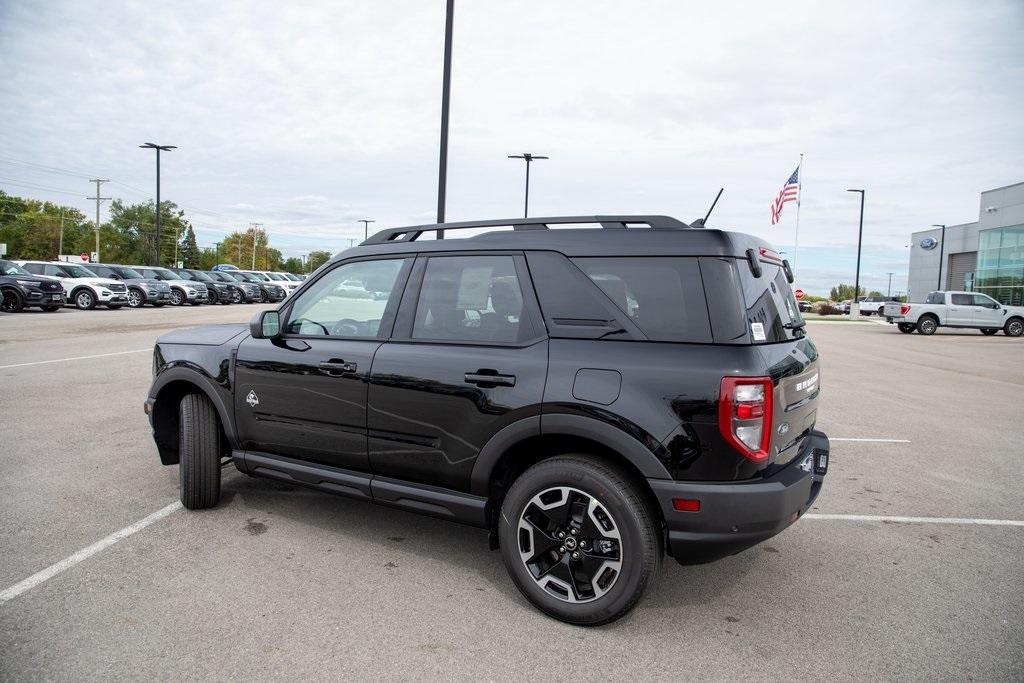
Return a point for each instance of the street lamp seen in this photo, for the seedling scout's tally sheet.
(366, 227)
(158, 148)
(942, 247)
(446, 91)
(528, 158)
(888, 293)
(855, 306)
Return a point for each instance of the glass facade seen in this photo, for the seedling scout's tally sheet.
(1000, 269)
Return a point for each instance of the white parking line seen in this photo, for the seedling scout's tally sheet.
(915, 520)
(836, 438)
(64, 360)
(84, 554)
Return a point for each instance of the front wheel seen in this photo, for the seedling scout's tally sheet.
(578, 540)
(988, 331)
(199, 453)
(927, 325)
(1014, 327)
(11, 300)
(236, 296)
(177, 297)
(905, 328)
(84, 300)
(136, 299)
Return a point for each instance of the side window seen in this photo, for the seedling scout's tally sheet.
(935, 298)
(34, 268)
(471, 298)
(982, 300)
(54, 270)
(962, 299)
(349, 301)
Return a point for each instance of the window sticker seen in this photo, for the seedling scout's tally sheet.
(757, 329)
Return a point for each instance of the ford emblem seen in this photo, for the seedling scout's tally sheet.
(783, 428)
(929, 243)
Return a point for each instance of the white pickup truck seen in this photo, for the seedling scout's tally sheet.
(956, 309)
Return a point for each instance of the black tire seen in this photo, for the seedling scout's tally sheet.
(580, 478)
(881, 311)
(263, 297)
(1014, 327)
(927, 325)
(989, 331)
(236, 296)
(11, 300)
(136, 297)
(83, 299)
(199, 453)
(906, 328)
(177, 297)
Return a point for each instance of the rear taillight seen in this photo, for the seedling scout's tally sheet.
(904, 309)
(745, 415)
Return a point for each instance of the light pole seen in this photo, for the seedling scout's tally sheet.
(888, 293)
(855, 306)
(446, 91)
(942, 248)
(528, 158)
(366, 227)
(158, 148)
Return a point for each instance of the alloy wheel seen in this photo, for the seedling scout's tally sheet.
(176, 298)
(570, 544)
(84, 300)
(135, 299)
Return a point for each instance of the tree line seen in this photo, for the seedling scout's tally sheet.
(41, 230)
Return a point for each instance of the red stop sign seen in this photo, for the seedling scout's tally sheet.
(799, 294)
(84, 255)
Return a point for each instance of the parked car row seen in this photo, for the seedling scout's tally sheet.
(50, 285)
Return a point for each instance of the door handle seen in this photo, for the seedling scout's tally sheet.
(337, 368)
(488, 379)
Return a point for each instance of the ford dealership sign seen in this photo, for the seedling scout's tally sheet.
(929, 243)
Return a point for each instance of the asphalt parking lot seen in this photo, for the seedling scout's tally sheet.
(289, 583)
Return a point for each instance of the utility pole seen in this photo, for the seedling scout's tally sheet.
(98, 198)
(158, 148)
(888, 293)
(855, 306)
(366, 227)
(528, 158)
(446, 91)
(255, 232)
(60, 241)
(216, 252)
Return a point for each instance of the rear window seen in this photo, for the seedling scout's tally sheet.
(772, 311)
(663, 296)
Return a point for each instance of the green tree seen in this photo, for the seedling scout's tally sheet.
(842, 292)
(316, 259)
(131, 237)
(32, 229)
(874, 292)
(188, 250)
(292, 265)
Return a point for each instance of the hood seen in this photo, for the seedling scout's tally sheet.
(97, 279)
(186, 283)
(207, 335)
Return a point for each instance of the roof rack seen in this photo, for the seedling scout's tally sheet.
(410, 233)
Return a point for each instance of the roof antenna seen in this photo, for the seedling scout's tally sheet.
(702, 222)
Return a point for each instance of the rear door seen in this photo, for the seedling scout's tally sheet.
(303, 394)
(467, 358)
(961, 310)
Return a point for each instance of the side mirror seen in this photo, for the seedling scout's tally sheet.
(265, 325)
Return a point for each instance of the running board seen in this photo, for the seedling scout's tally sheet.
(430, 500)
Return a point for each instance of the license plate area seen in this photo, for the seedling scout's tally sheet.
(820, 461)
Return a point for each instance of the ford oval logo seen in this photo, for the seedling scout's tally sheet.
(783, 428)
(929, 243)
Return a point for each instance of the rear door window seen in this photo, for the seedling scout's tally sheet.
(663, 296)
(772, 311)
(962, 299)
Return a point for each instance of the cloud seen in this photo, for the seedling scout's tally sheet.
(307, 117)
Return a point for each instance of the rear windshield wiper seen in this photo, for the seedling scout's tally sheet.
(795, 326)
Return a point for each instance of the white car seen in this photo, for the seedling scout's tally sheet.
(957, 309)
(278, 279)
(182, 291)
(84, 289)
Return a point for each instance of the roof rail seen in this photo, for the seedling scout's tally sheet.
(410, 233)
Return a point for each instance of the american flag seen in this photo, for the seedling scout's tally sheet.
(788, 193)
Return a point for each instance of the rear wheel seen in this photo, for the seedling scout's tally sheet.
(927, 325)
(11, 300)
(199, 453)
(905, 328)
(578, 540)
(988, 331)
(1014, 327)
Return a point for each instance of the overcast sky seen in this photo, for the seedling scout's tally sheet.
(306, 119)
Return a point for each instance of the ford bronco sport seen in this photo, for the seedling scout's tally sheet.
(595, 397)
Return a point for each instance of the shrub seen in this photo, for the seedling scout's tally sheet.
(828, 309)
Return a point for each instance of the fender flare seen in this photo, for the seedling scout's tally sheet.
(556, 424)
(204, 384)
(78, 288)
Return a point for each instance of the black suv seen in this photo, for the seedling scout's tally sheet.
(595, 397)
(20, 288)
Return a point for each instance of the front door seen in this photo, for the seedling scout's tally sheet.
(303, 394)
(468, 358)
(987, 312)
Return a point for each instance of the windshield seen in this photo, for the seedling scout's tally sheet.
(219, 277)
(127, 273)
(197, 275)
(240, 277)
(76, 271)
(291, 277)
(161, 274)
(772, 311)
(8, 268)
(276, 276)
(260, 277)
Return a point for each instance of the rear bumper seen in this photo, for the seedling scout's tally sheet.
(737, 515)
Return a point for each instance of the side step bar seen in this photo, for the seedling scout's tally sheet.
(431, 500)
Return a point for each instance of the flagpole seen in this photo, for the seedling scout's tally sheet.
(799, 192)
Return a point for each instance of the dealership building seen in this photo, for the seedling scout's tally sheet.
(985, 256)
